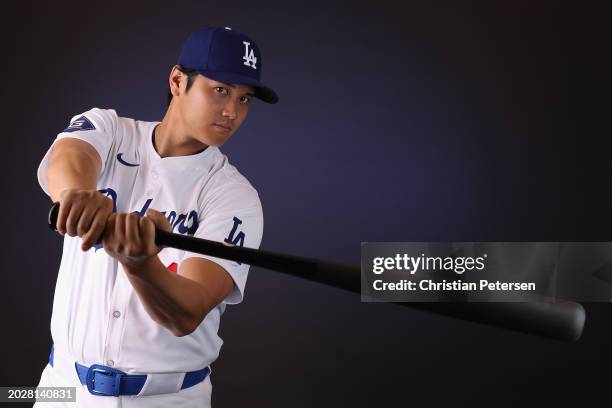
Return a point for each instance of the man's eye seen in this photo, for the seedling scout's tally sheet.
(245, 99)
(221, 90)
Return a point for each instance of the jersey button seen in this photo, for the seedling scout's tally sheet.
(116, 314)
(110, 363)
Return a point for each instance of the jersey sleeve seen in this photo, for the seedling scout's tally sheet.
(96, 127)
(233, 216)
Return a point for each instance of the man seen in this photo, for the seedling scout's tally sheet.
(133, 324)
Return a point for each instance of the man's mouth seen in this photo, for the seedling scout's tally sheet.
(222, 128)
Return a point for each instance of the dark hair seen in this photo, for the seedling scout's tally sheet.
(191, 74)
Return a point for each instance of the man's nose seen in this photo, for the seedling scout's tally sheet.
(229, 110)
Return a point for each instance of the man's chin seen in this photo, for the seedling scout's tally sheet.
(213, 143)
(215, 140)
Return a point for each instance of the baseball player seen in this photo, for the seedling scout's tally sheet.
(135, 325)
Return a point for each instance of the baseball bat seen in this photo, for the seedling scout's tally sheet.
(561, 320)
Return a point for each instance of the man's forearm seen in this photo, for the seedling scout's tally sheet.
(171, 300)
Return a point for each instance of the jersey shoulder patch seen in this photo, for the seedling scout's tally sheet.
(80, 123)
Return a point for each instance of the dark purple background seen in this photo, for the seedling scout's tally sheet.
(425, 121)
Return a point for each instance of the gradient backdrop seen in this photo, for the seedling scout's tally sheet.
(407, 121)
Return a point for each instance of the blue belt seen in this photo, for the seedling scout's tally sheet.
(108, 381)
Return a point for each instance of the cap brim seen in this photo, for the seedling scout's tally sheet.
(261, 91)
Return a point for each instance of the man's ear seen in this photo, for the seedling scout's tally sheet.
(175, 80)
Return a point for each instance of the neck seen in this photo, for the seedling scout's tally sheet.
(172, 139)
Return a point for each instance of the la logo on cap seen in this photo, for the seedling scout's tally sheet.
(249, 58)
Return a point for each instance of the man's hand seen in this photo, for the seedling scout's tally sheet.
(130, 238)
(83, 213)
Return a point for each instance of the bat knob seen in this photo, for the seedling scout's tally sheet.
(53, 213)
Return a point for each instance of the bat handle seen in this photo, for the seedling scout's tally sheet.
(161, 237)
(53, 213)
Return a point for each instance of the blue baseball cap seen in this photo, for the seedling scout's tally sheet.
(227, 56)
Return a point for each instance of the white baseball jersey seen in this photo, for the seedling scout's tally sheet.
(97, 316)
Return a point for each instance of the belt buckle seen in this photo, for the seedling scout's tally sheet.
(109, 379)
